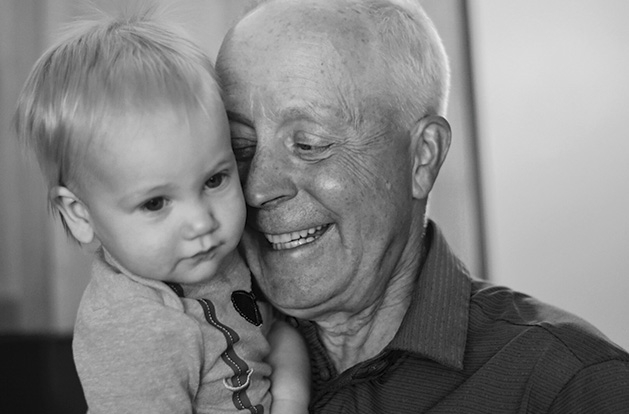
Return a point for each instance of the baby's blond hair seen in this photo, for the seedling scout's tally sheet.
(102, 69)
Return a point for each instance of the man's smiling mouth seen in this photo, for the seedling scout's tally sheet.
(296, 238)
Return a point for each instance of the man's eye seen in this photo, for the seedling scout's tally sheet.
(154, 204)
(311, 150)
(216, 180)
(244, 154)
(244, 150)
(305, 147)
(309, 145)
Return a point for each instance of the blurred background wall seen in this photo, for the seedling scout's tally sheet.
(532, 194)
(552, 87)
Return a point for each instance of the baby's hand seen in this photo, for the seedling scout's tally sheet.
(290, 380)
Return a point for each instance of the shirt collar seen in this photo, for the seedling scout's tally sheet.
(435, 324)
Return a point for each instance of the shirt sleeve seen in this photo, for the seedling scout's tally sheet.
(600, 388)
(140, 357)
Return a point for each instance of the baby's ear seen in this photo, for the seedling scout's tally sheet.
(74, 212)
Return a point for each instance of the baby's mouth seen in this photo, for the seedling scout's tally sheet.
(296, 238)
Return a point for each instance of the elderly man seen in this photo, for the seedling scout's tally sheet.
(337, 114)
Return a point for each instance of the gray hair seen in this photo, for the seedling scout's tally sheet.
(415, 55)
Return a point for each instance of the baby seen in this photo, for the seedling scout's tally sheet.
(127, 123)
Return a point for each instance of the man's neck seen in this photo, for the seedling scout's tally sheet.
(353, 338)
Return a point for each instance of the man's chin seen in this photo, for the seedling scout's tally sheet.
(296, 302)
(294, 280)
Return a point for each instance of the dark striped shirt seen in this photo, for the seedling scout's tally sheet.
(466, 346)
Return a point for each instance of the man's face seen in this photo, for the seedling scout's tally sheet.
(328, 185)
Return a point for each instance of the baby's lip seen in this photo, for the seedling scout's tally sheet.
(295, 239)
(203, 253)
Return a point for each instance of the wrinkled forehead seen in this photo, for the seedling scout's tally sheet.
(343, 27)
(336, 32)
(315, 43)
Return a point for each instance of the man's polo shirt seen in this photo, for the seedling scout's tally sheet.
(466, 346)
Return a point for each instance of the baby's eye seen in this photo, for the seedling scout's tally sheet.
(154, 204)
(216, 180)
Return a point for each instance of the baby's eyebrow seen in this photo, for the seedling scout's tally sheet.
(139, 194)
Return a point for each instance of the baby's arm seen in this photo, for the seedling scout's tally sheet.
(290, 380)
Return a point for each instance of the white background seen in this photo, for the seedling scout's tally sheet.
(552, 83)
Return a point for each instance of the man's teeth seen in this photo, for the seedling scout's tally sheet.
(293, 239)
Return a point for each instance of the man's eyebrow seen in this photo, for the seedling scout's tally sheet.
(318, 113)
(339, 110)
(236, 117)
(307, 111)
(322, 114)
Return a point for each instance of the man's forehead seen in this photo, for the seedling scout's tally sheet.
(286, 21)
(292, 42)
(286, 48)
(246, 99)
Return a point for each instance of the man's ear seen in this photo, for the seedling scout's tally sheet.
(74, 212)
(430, 141)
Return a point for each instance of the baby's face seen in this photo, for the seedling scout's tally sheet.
(164, 196)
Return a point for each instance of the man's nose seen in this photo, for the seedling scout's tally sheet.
(270, 178)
